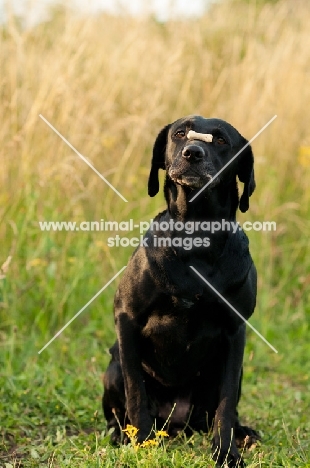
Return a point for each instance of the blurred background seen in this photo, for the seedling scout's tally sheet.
(108, 77)
(35, 11)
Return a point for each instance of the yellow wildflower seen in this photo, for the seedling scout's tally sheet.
(304, 156)
(131, 431)
(149, 443)
(161, 434)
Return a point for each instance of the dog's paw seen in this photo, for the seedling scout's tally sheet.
(246, 437)
(117, 438)
(224, 460)
(229, 458)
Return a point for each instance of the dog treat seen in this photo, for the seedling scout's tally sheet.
(192, 135)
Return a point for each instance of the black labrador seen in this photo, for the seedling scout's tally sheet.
(179, 348)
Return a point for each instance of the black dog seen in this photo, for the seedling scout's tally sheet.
(179, 344)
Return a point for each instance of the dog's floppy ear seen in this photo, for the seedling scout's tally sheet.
(158, 160)
(246, 175)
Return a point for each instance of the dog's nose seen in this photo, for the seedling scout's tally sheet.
(192, 152)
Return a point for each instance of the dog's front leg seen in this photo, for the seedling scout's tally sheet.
(136, 397)
(224, 445)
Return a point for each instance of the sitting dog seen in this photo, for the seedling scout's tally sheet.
(179, 349)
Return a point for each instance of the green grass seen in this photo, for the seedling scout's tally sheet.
(51, 404)
(109, 85)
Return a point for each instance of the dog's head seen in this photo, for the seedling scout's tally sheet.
(191, 160)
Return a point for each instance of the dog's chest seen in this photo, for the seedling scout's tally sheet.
(176, 341)
(178, 326)
(160, 325)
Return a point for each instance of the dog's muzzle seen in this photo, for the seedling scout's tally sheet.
(193, 153)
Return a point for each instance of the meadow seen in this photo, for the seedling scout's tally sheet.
(108, 84)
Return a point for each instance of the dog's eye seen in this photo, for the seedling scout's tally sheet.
(179, 134)
(221, 141)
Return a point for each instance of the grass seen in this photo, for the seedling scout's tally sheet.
(108, 84)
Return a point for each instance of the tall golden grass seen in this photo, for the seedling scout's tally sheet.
(109, 84)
